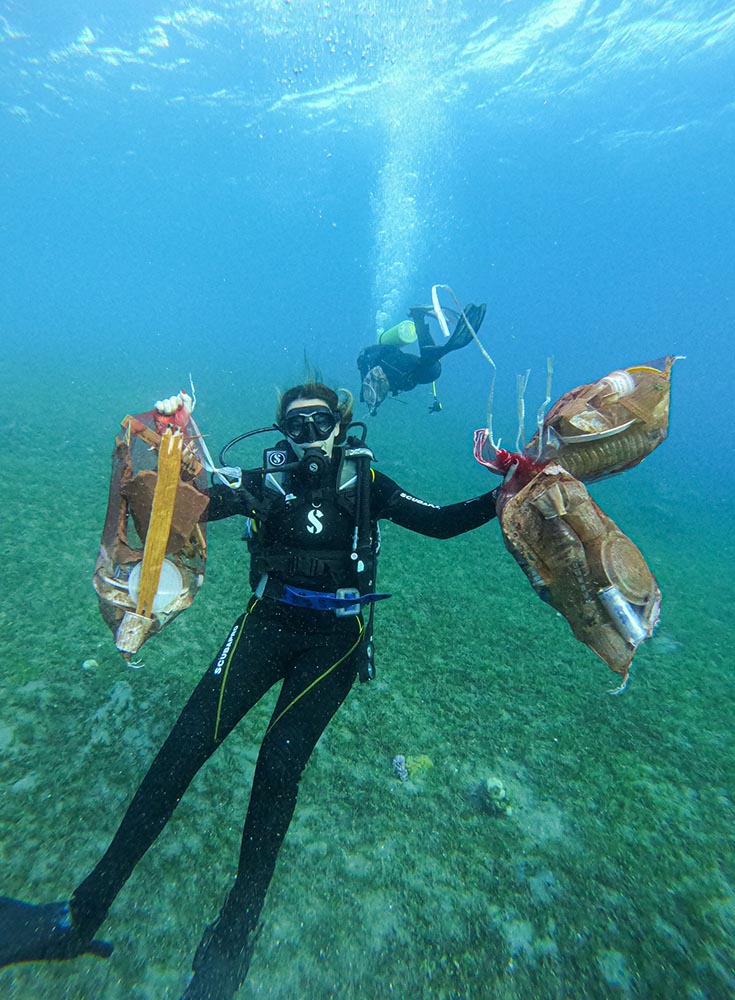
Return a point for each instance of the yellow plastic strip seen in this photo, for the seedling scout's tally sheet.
(169, 468)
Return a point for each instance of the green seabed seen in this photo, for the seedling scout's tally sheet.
(611, 876)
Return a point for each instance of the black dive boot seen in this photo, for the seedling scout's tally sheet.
(221, 961)
(37, 933)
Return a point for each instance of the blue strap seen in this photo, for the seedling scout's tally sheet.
(317, 600)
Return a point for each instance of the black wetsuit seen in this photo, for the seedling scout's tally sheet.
(314, 653)
(404, 371)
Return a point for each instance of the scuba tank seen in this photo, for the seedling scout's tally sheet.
(400, 334)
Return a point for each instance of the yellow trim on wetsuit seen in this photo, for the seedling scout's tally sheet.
(228, 661)
(321, 677)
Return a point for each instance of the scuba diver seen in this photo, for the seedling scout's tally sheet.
(312, 513)
(385, 368)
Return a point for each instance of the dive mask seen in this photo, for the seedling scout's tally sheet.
(306, 425)
(375, 388)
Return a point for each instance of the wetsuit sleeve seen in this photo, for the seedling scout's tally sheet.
(394, 504)
(226, 502)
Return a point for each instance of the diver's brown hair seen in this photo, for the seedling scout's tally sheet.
(340, 402)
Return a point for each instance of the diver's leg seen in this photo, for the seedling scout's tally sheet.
(312, 692)
(423, 333)
(30, 932)
(236, 680)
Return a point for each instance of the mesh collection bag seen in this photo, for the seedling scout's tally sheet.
(610, 425)
(153, 551)
(574, 555)
(582, 564)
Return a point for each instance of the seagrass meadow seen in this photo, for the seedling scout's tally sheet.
(609, 874)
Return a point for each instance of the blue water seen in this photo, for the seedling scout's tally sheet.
(226, 190)
(253, 180)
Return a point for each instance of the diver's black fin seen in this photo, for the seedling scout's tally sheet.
(221, 961)
(37, 933)
(461, 335)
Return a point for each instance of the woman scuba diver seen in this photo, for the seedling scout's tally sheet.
(314, 509)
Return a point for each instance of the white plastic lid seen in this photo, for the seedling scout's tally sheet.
(170, 585)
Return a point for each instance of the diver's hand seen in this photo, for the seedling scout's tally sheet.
(173, 412)
(228, 475)
(173, 404)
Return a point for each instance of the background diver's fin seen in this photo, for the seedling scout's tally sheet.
(461, 336)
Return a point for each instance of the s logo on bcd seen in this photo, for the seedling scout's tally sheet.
(314, 517)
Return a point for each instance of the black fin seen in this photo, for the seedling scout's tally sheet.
(37, 933)
(461, 336)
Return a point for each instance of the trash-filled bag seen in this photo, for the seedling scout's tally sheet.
(581, 563)
(574, 555)
(153, 551)
(610, 425)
